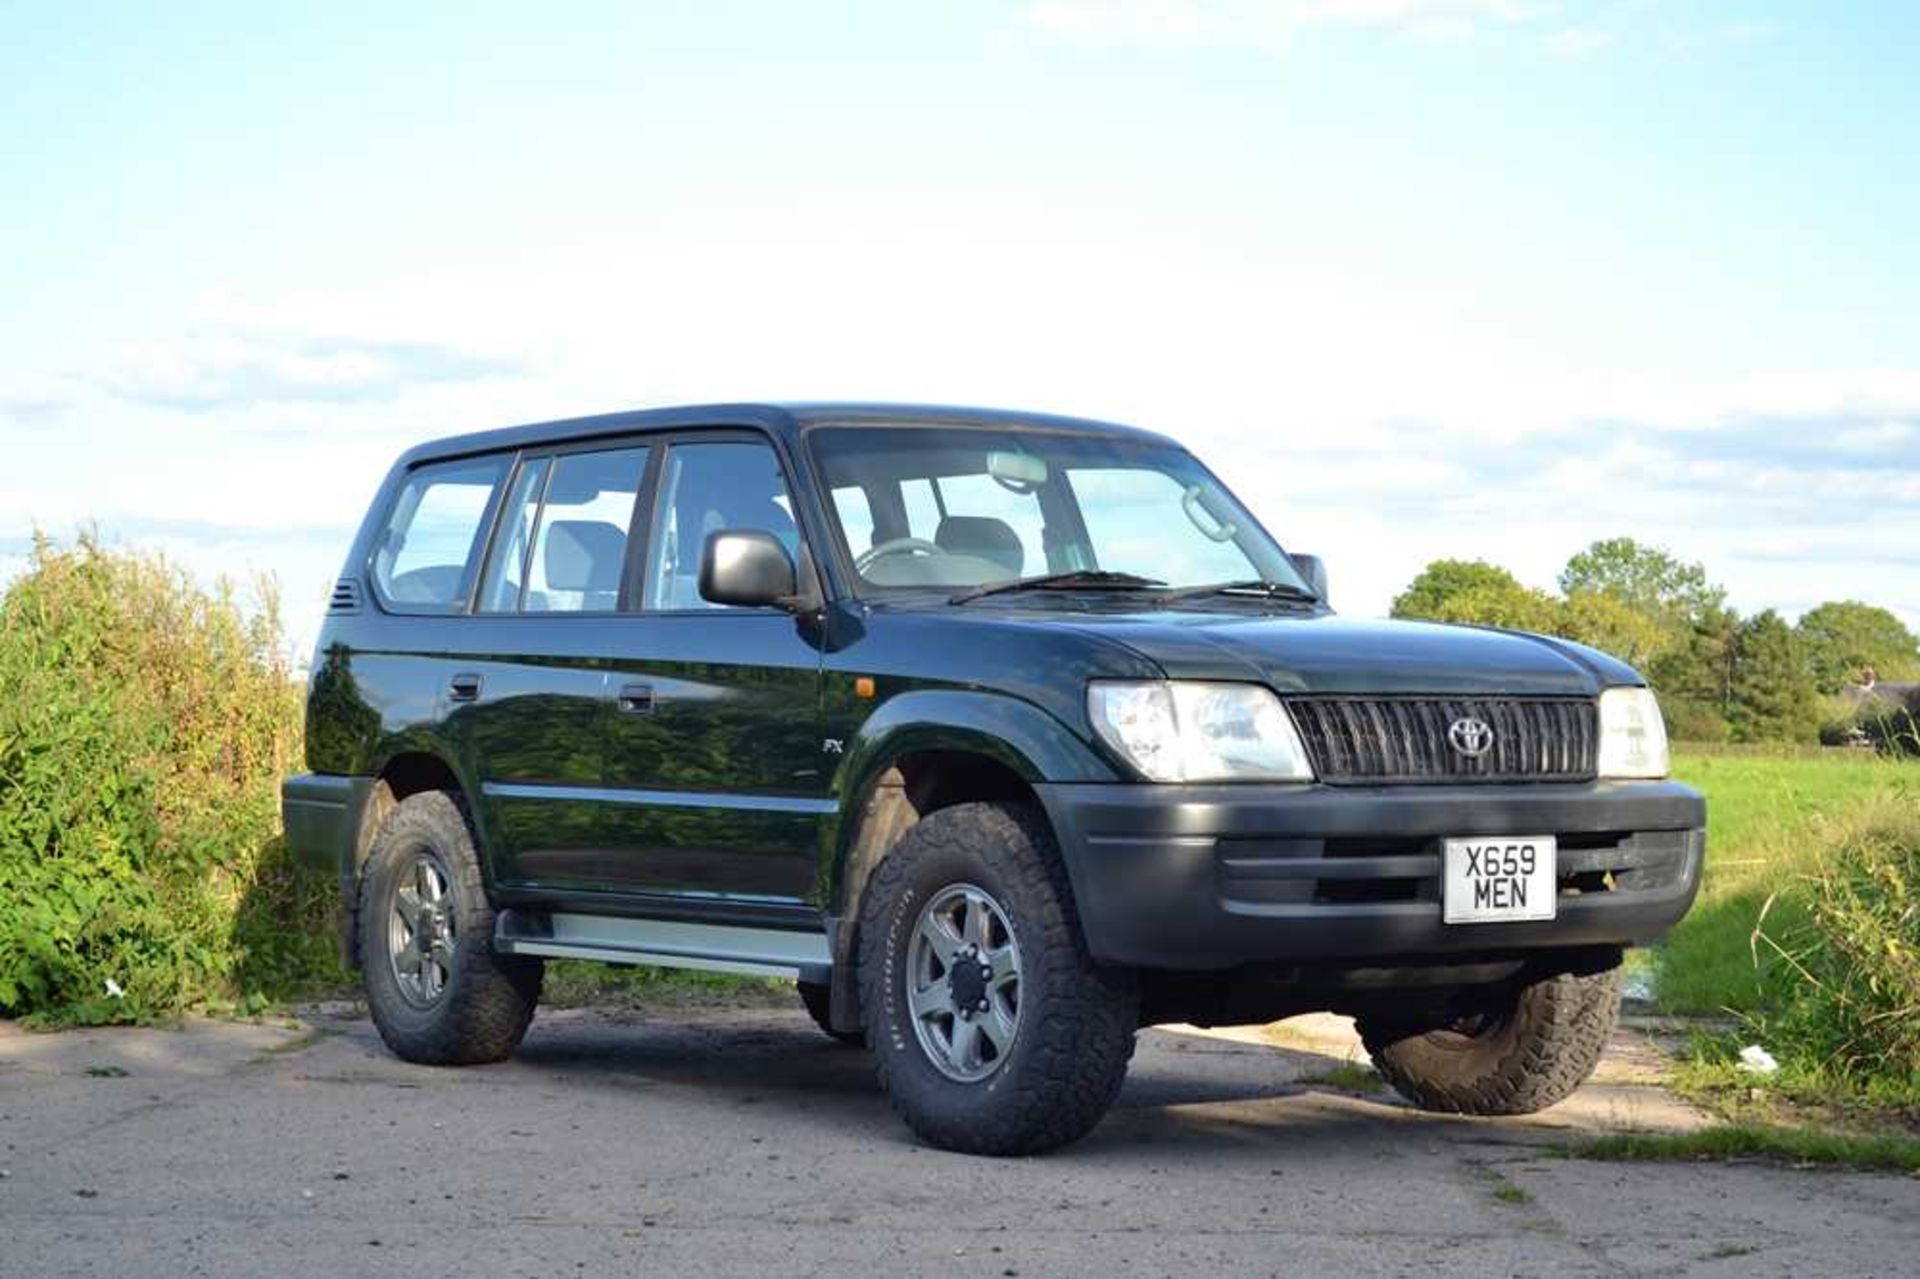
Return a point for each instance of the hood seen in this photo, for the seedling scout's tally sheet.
(1329, 654)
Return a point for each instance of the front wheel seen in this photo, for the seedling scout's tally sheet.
(1524, 1052)
(993, 1031)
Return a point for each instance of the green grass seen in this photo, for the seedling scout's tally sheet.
(299, 1043)
(1800, 933)
(1792, 1145)
(1348, 1076)
(577, 983)
(1767, 814)
(1503, 1190)
(1807, 1086)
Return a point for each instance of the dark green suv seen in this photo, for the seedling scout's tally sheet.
(1002, 734)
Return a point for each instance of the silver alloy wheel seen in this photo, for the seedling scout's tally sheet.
(420, 932)
(963, 983)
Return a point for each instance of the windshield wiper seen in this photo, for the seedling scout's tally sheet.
(1078, 579)
(1266, 589)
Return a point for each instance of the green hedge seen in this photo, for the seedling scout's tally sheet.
(1850, 998)
(144, 726)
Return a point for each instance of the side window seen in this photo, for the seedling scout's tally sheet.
(562, 546)
(984, 519)
(426, 556)
(922, 507)
(705, 488)
(856, 516)
(506, 572)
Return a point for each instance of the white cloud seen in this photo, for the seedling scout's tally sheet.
(1360, 419)
(238, 366)
(1881, 437)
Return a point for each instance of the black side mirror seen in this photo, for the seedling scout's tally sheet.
(1314, 571)
(747, 567)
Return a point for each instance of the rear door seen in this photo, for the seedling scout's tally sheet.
(527, 688)
(715, 767)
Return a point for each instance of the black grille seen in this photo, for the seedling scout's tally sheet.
(345, 597)
(1405, 739)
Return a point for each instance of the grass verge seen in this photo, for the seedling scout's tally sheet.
(1799, 1146)
(1806, 932)
(1769, 814)
(574, 983)
(1348, 1076)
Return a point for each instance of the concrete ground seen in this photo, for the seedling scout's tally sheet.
(727, 1142)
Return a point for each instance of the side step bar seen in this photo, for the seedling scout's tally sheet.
(719, 948)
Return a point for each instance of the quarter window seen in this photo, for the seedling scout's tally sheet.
(427, 554)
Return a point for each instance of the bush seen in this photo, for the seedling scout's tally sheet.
(144, 726)
(1691, 721)
(1850, 1003)
(1886, 722)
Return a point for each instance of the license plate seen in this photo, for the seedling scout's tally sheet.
(1499, 879)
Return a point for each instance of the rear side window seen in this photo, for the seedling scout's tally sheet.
(427, 556)
(563, 543)
(508, 573)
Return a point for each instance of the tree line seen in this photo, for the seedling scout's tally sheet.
(1720, 676)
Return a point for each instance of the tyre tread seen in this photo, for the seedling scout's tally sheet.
(1560, 1029)
(1085, 1028)
(491, 998)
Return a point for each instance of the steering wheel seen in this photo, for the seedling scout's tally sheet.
(896, 546)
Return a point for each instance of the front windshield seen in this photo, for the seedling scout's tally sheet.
(960, 507)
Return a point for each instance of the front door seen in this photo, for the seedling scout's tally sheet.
(716, 773)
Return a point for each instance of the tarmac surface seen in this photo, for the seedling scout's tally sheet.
(741, 1141)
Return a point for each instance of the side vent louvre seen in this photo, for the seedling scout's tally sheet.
(345, 598)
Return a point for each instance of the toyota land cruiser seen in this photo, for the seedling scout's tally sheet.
(1002, 734)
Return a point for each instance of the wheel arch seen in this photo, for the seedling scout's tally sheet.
(927, 749)
(409, 770)
(917, 754)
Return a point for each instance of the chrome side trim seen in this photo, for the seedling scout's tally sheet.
(664, 798)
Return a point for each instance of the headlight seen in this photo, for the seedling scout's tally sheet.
(1186, 731)
(1633, 737)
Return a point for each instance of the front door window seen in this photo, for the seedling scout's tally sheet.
(707, 488)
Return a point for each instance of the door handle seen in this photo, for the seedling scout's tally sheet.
(464, 688)
(636, 699)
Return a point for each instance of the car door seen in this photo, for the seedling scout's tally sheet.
(528, 685)
(719, 778)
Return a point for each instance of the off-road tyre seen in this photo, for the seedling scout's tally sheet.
(1521, 1057)
(817, 998)
(1076, 1020)
(488, 1000)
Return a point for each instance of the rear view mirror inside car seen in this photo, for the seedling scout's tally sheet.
(1020, 471)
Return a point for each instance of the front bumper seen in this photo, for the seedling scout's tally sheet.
(1207, 877)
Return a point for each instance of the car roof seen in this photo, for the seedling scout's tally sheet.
(787, 419)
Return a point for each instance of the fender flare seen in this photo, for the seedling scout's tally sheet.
(1028, 741)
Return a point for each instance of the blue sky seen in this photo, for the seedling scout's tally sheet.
(1419, 277)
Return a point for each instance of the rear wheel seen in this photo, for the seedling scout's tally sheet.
(438, 993)
(993, 1031)
(1523, 1053)
(818, 999)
